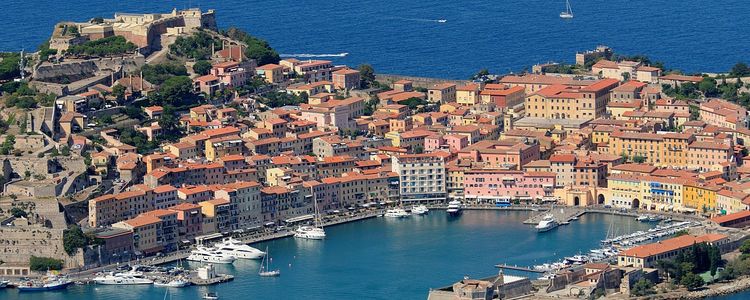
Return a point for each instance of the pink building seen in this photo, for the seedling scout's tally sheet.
(230, 73)
(506, 154)
(488, 185)
(433, 142)
(456, 142)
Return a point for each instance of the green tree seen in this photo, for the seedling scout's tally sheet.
(202, 67)
(715, 261)
(692, 281)
(108, 46)
(175, 90)
(707, 86)
(197, 46)
(134, 112)
(642, 288)
(45, 52)
(73, 239)
(168, 119)
(18, 212)
(119, 92)
(9, 66)
(366, 75)
(41, 264)
(159, 73)
(745, 247)
(681, 233)
(740, 69)
(481, 74)
(257, 49)
(65, 151)
(639, 159)
(7, 146)
(107, 119)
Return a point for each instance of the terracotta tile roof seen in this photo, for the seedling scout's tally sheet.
(142, 220)
(670, 245)
(731, 217)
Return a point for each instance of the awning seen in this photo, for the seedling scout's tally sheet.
(299, 219)
(206, 237)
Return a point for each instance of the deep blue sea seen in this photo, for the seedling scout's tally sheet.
(404, 37)
(383, 258)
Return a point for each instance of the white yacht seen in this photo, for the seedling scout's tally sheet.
(210, 255)
(4, 283)
(176, 283)
(126, 278)
(316, 231)
(546, 224)
(420, 210)
(396, 213)
(238, 249)
(642, 218)
(310, 233)
(454, 208)
(577, 259)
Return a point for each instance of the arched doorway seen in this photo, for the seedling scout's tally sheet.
(600, 199)
(636, 203)
(576, 201)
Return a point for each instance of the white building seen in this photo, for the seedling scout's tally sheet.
(422, 177)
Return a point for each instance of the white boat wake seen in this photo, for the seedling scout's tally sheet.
(342, 54)
(423, 20)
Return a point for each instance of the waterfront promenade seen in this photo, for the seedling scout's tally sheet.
(83, 275)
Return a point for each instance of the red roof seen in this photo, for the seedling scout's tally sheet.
(731, 217)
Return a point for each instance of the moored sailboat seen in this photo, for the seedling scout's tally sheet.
(316, 231)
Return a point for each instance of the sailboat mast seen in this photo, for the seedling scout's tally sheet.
(316, 221)
(570, 9)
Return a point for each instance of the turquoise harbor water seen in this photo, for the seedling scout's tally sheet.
(384, 258)
(404, 37)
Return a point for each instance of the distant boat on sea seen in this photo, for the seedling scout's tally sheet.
(568, 13)
(442, 21)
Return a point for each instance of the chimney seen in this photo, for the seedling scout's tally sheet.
(142, 81)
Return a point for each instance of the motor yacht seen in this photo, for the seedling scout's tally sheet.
(420, 210)
(454, 208)
(210, 255)
(125, 278)
(310, 233)
(396, 213)
(238, 249)
(577, 259)
(176, 283)
(546, 224)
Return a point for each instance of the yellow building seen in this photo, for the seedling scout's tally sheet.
(668, 149)
(600, 134)
(468, 94)
(570, 102)
(729, 202)
(223, 146)
(700, 197)
(623, 191)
